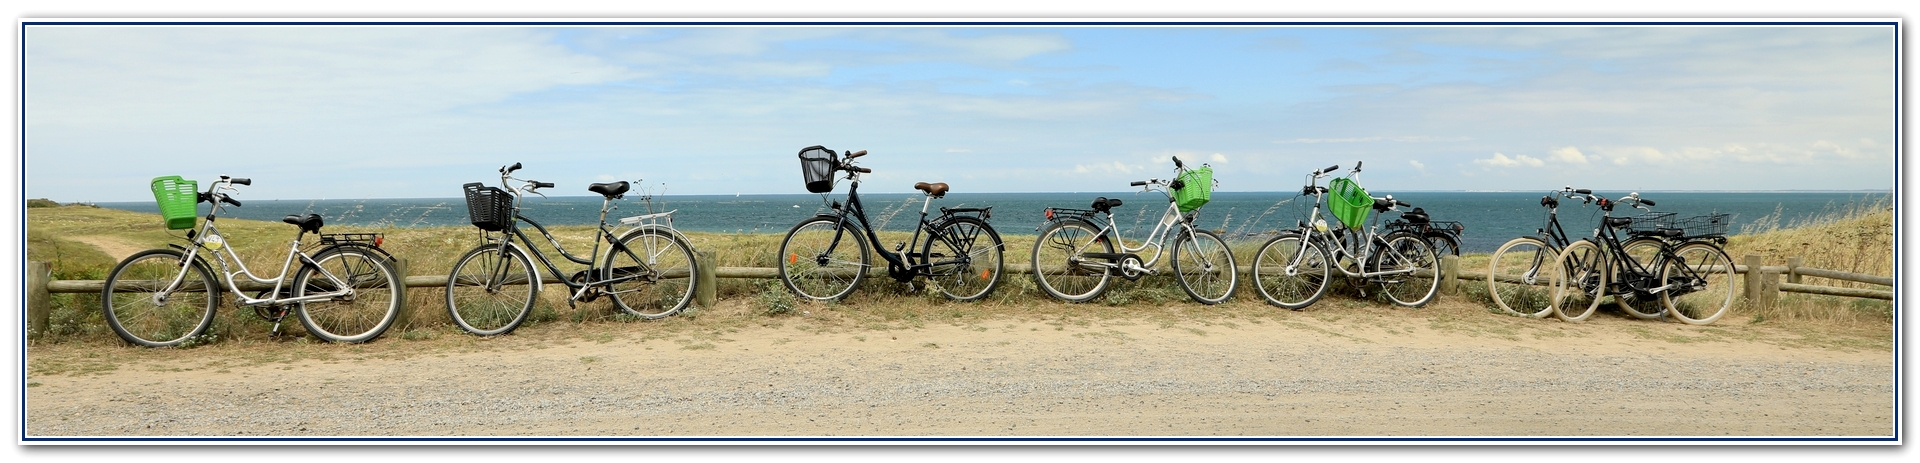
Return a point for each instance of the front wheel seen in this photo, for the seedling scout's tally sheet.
(1290, 272)
(368, 298)
(1419, 269)
(491, 290)
(1060, 265)
(157, 298)
(1205, 265)
(1519, 277)
(819, 260)
(1702, 279)
(1581, 281)
(1644, 251)
(651, 274)
(964, 257)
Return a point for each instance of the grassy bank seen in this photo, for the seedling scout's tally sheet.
(83, 243)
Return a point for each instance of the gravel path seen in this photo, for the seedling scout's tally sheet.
(1020, 379)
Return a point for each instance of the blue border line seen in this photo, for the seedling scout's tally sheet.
(1898, 192)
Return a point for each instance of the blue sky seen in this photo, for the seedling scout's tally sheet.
(337, 112)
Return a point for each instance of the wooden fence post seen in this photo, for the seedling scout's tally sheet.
(1769, 288)
(1449, 274)
(406, 307)
(39, 301)
(1793, 269)
(1752, 290)
(706, 281)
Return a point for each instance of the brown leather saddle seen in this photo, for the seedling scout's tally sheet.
(937, 190)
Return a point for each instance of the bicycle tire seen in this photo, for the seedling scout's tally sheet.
(491, 290)
(667, 284)
(1298, 290)
(139, 316)
(1519, 277)
(373, 306)
(1443, 244)
(1210, 257)
(962, 236)
(1404, 251)
(1581, 282)
(1646, 252)
(1058, 267)
(811, 270)
(1711, 297)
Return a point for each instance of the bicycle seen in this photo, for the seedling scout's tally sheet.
(345, 291)
(1074, 260)
(648, 270)
(961, 254)
(1442, 235)
(1689, 274)
(1291, 270)
(1520, 271)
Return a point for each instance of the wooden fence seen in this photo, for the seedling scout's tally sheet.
(1762, 287)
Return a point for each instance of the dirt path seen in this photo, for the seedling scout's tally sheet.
(1009, 378)
(112, 246)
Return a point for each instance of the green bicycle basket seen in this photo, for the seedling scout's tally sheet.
(179, 198)
(1195, 190)
(1349, 202)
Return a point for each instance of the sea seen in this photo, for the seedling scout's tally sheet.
(1490, 218)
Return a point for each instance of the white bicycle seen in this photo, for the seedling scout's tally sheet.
(1074, 259)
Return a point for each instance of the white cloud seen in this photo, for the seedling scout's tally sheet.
(1569, 155)
(1501, 160)
(1418, 166)
(1217, 158)
(1115, 167)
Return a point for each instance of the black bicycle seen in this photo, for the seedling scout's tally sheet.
(1442, 235)
(823, 258)
(647, 270)
(1687, 274)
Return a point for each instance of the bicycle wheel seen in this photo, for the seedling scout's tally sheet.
(140, 313)
(491, 290)
(1443, 244)
(1519, 277)
(654, 273)
(1058, 264)
(360, 316)
(965, 254)
(1294, 289)
(1407, 252)
(1702, 276)
(821, 261)
(1205, 266)
(1581, 282)
(1646, 252)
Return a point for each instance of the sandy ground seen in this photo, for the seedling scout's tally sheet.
(1015, 378)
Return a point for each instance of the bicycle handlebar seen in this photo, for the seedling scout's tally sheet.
(510, 169)
(1177, 164)
(1356, 165)
(1138, 183)
(239, 181)
(1583, 191)
(540, 184)
(1331, 168)
(856, 154)
(857, 169)
(234, 202)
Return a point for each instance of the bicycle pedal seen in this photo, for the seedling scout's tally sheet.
(899, 247)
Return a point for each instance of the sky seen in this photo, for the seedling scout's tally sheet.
(390, 111)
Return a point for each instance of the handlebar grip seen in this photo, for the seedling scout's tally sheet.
(1583, 191)
(862, 170)
(542, 185)
(1139, 183)
(510, 169)
(856, 154)
(1177, 164)
(1401, 203)
(1328, 169)
(1356, 165)
(234, 202)
(1646, 202)
(241, 181)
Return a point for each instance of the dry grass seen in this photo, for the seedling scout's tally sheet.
(1855, 238)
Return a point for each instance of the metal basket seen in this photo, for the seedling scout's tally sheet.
(1650, 222)
(1705, 225)
(490, 208)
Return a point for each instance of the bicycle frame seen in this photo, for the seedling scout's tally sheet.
(1358, 249)
(208, 233)
(579, 289)
(1156, 239)
(906, 263)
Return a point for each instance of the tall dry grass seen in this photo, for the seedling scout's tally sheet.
(1856, 237)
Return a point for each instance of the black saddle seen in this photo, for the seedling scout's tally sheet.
(1416, 217)
(309, 223)
(1104, 204)
(1618, 222)
(610, 190)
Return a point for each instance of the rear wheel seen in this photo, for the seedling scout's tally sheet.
(369, 308)
(1581, 282)
(1519, 279)
(654, 269)
(1443, 244)
(819, 260)
(491, 290)
(965, 254)
(1059, 266)
(140, 313)
(1283, 282)
(1703, 278)
(1205, 266)
(1410, 254)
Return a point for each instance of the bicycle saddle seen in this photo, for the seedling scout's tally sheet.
(1416, 216)
(1619, 221)
(937, 190)
(307, 223)
(1103, 204)
(609, 190)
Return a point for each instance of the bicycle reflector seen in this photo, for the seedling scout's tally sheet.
(793, 258)
(377, 239)
(1049, 213)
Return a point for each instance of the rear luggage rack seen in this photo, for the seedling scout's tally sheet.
(362, 238)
